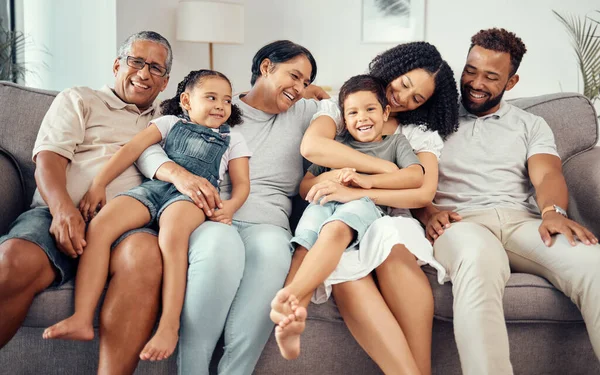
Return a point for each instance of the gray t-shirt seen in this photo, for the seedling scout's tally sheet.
(394, 148)
(275, 165)
(484, 163)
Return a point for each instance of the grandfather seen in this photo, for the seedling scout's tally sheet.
(82, 129)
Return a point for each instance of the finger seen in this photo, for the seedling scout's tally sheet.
(568, 233)
(102, 202)
(455, 216)
(326, 199)
(85, 210)
(437, 227)
(209, 195)
(590, 235)
(310, 195)
(545, 235)
(444, 219)
(203, 204)
(320, 193)
(580, 233)
(196, 197)
(64, 243)
(76, 238)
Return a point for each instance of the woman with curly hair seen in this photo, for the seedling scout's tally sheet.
(391, 320)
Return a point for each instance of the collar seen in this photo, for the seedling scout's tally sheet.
(503, 110)
(108, 96)
(251, 112)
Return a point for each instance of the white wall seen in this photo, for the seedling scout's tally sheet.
(72, 42)
(331, 29)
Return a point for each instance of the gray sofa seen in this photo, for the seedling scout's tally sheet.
(547, 334)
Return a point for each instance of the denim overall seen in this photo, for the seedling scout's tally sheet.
(198, 149)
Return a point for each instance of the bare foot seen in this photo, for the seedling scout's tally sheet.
(72, 328)
(288, 337)
(161, 345)
(282, 307)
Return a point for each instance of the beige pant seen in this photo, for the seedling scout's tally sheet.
(480, 251)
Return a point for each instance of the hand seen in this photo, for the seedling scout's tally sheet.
(438, 222)
(68, 230)
(225, 214)
(331, 191)
(202, 192)
(315, 92)
(554, 223)
(351, 178)
(92, 201)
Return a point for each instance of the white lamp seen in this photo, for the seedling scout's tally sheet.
(210, 22)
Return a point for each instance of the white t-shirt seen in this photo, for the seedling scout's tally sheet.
(420, 138)
(237, 145)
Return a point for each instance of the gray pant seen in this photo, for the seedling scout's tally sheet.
(479, 253)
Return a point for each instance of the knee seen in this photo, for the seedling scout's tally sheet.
(337, 230)
(138, 256)
(15, 263)
(219, 246)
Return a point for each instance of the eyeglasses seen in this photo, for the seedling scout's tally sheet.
(139, 63)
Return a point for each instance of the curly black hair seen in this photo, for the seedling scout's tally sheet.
(440, 112)
(501, 40)
(173, 107)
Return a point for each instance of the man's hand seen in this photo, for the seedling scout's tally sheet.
(352, 178)
(438, 222)
(92, 201)
(68, 230)
(202, 192)
(225, 214)
(554, 223)
(331, 192)
(315, 92)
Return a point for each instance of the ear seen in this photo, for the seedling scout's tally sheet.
(265, 67)
(386, 113)
(184, 99)
(116, 66)
(512, 81)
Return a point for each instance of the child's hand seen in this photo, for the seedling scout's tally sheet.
(224, 214)
(351, 178)
(338, 174)
(92, 201)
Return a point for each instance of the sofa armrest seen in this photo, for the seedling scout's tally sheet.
(12, 197)
(582, 173)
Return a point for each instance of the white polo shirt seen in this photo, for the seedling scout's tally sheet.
(87, 127)
(484, 163)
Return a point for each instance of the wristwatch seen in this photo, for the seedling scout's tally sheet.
(556, 209)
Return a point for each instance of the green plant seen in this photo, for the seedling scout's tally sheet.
(585, 38)
(12, 43)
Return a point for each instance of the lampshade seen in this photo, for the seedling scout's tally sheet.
(210, 22)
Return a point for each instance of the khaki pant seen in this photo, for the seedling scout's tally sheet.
(479, 253)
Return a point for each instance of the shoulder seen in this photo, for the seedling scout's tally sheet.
(304, 107)
(423, 139)
(521, 115)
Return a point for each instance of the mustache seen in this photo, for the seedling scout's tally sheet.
(470, 88)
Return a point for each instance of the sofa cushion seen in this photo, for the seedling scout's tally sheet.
(21, 112)
(527, 298)
(571, 116)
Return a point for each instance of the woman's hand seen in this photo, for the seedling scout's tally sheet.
(330, 191)
(202, 192)
(92, 201)
(315, 92)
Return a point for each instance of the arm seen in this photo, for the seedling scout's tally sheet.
(545, 173)
(239, 173)
(311, 180)
(68, 227)
(319, 147)
(411, 177)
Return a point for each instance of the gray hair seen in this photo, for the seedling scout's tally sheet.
(151, 36)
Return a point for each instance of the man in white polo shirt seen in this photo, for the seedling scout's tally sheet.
(484, 222)
(82, 129)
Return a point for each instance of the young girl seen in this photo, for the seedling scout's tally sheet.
(195, 133)
(330, 227)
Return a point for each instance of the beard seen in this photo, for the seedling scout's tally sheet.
(478, 109)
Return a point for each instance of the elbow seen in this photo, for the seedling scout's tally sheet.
(307, 149)
(426, 197)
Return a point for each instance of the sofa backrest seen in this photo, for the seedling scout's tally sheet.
(571, 116)
(21, 112)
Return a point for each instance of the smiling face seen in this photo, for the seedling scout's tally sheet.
(485, 78)
(364, 116)
(209, 102)
(139, 87)
(410, 90)
(284, 82)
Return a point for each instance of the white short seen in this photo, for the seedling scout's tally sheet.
(375, 247)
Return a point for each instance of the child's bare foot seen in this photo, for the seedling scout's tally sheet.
(161, 345)
(288, 336)
(72, 328)
(282, 307)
